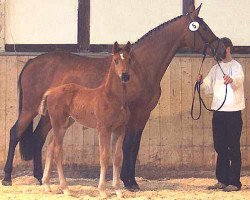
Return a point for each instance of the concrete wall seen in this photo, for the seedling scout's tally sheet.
(228, 18)
(41, 21)
(128, 20)
(45, 22)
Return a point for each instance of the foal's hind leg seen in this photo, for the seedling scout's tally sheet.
(40, 134)
(58, 156)
(104, 148)
(117, 155)
(16, 132)
(48, 164)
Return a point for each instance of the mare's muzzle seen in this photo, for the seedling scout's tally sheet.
(125, 77)
(224, 55)
(220, 57)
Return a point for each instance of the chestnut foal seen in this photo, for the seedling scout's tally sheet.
(103, 108)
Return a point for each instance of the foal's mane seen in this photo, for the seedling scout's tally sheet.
(163, 25)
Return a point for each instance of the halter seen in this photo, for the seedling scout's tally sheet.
(194, 27)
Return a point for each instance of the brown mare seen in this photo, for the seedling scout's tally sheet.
(150, 55)
(103, 108)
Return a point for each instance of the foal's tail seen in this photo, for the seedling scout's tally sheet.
(43, 105)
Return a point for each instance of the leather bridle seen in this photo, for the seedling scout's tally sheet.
(207, 44)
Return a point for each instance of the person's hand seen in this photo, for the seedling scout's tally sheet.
(199, 78)
(227, 79)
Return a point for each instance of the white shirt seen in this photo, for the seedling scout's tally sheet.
(214, 83)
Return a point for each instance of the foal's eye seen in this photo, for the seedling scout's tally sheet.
(116, 62)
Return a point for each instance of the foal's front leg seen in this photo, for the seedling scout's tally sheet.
(104, 148)
(117, 155)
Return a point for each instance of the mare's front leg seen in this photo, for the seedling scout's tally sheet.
(117, 155)
(104, 148)
(131, 147)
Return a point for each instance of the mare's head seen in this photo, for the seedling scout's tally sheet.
(121, 61)
(200, 38)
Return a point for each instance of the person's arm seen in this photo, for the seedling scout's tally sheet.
(237, 77)
(207, 82)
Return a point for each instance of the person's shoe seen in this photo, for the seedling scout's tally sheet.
(231, 188)
(217, 186)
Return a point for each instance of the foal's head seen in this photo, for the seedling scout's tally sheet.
(121, 60)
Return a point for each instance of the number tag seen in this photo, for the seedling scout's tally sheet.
(194, 26)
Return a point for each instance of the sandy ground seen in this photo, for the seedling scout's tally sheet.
(155, 184)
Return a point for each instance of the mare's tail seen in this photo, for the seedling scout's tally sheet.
(26, 143)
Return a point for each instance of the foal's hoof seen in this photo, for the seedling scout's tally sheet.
(47, 188)
(103, 194)
(6, 182)
(133, 188)
(118, 193)
(66, 192)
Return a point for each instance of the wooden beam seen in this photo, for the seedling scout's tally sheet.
(40, 47)
(186, 5)
(83, 25)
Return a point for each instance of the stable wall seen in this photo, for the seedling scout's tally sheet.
(171, 138)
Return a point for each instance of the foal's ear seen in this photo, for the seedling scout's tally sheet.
(116, 48)
(127, 47)
(195, 13)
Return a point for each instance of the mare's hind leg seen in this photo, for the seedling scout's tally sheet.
(16, 132)
(40, 134)
(117, 155)
(48, 164)
(104, 148)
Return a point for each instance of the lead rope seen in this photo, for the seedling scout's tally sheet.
(198, 84)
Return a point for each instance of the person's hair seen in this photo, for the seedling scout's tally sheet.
(228, 43)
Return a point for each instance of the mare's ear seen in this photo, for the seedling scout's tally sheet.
(127, 47)
(195, 13)
(116, 48)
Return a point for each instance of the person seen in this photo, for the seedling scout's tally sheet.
(227, 121)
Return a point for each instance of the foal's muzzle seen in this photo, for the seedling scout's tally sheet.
(125, 77)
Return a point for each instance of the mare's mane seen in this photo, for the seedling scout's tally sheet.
(157, 28)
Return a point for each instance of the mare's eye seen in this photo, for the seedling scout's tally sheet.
(116, 61)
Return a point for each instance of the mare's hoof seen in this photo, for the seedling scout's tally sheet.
(133, 188)
(39, 181)
(6, 182)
